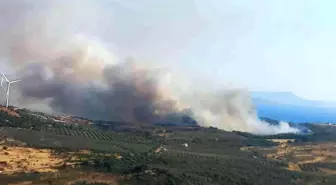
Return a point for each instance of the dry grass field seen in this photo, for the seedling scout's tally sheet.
(309, 157)
(73, 178)
(23, 159)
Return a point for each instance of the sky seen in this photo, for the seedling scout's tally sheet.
(278, 45)
(264, 45)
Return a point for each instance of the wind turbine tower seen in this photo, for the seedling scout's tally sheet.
(8, 86)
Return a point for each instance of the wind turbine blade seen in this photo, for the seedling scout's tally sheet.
(14, 81)
(4, 76)
(2, 80)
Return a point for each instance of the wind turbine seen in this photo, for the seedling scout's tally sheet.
(8, 86)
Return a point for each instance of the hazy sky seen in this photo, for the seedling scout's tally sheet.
(273, 45)
(276, 45)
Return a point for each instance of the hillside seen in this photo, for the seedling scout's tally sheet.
(126, 153)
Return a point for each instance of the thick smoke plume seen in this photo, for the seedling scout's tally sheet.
(63, 62)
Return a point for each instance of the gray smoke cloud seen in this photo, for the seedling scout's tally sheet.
(59, 51)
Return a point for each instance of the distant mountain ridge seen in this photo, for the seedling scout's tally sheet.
(290, 99)
(287, 106)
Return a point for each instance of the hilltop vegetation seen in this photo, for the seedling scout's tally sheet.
(110, 153)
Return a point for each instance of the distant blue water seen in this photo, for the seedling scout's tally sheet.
(296, 114)
(290, 108)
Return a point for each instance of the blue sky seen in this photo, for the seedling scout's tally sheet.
(268, 45)
(265, 45)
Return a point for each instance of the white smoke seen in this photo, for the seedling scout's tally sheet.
(58, 48)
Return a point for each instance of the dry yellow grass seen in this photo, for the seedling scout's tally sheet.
(22, 183)
(303, 154)
(293, 167)
(77, 177)
(22, 159)
(25, 159)
(163, 134)
(281, 140)
(315, 160)
(95, 178)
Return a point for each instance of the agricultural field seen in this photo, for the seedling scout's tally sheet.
(94, 134)
(58, 153)
(310, 157)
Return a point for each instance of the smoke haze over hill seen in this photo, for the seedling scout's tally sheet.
(65, 59)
